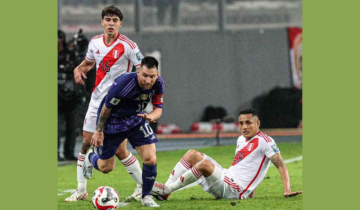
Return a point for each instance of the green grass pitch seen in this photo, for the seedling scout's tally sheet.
(269, 194)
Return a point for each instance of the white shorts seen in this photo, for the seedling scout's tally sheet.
(220, 184)
(90, 119)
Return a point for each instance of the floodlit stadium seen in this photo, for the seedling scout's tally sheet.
(216, 58)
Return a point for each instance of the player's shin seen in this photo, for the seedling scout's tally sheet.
(187, 178)
(79, 171)
(180, 168)
(93, 159)
(132, 166)
(148, 176)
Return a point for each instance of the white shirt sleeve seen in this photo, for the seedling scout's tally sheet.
(134, 55)
(90, 53)
(270, 148)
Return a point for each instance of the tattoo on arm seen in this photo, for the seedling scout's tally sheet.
(277, 160)
(104, 114)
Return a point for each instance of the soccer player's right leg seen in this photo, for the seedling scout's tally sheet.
(88, 129)
(132, 166)
(191, 158)
(81, 193)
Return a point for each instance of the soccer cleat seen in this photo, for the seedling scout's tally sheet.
(136, 195)
(160, 191)
(87, 166)
(77, 196)
(149, 202)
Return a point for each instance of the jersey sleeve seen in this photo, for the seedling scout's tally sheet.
(134, 55)
(158, 98)
(269, 147)
(118, 91)
(90, 52)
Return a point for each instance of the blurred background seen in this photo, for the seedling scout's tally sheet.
(217, 57)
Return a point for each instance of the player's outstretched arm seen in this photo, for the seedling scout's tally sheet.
(81, 70)
(98, 136)
(280, 165)
(153, 116)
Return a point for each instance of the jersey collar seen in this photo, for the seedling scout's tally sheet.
(112, 42)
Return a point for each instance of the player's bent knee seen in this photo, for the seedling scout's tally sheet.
(205, 167)
(106, 169)
(150, 161)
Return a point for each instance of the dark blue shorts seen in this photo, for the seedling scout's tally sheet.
(141, 134)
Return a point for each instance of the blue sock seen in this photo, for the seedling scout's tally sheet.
(93, 159)
(148, 176)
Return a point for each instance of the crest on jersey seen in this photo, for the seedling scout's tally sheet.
(144, 97)
(250, 146)
(115, 101)
(116, 54)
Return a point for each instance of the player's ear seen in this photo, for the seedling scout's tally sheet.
(120, 24)
(258, 123)
(102, 22)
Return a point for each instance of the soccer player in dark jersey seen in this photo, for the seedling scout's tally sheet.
(121, 116)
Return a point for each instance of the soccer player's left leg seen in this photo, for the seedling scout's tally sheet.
(149, 173)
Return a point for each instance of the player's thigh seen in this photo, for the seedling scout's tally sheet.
(90, 119)
(143, 135)
(110, 145)
(122, 151)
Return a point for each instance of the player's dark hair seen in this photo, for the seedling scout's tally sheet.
(149, 62)
(249, 111)
(110, 11)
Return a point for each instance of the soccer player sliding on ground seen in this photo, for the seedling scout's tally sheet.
(254, 152)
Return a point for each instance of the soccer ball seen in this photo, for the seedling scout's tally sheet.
(105, 198)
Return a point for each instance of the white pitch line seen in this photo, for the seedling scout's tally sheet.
(195, 183)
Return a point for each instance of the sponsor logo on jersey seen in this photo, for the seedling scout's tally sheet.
(250, 146)
(97, 52)
(116, 54)
(139, 56)
(144, 97)
(115, 101)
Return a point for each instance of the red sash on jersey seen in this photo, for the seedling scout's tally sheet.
(108, 61)
(245, 151)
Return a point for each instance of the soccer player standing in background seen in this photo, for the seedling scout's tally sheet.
(114, 54)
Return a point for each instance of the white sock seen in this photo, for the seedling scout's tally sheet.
(180, 168)
(80, 177)
(187, 178)
(132, 166)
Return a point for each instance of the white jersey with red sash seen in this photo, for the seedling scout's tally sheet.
(111, 61)
(251, 162)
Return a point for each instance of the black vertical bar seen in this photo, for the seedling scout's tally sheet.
(137, 16)
(222, 21)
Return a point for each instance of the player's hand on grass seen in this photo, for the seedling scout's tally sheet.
(291, 194)
(78, 74)
(97, 139)
(147, 117)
